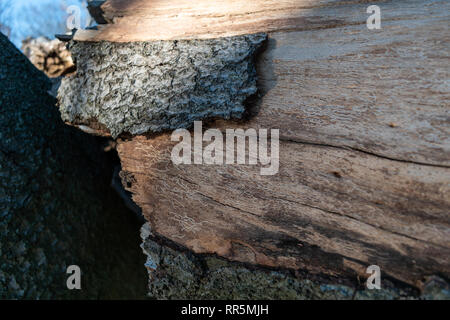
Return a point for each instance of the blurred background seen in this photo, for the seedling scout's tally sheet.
(20, 19)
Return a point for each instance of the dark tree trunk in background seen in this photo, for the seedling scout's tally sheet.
(56, 205)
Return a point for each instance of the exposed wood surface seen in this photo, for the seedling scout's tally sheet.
(327, 208)
(364, 119)
(383, 92)
(144, 20)
(364, 178)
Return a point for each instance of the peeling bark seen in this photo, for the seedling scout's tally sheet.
(154, 86)
(364, 151)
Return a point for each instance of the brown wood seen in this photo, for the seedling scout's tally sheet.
(364, 127)
(326, 207)
(379, 92)
(145, 20)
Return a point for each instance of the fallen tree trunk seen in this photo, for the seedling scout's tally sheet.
(363, 122)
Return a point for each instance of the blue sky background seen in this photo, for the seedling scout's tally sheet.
(20, 19)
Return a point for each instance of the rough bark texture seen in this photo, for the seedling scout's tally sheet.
(364, 152)
(363, 179)
(176, 273)
(179, 274)
(56, 205)
(155, 86)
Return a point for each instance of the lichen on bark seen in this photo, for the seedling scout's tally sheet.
(142, 87)
(176, 273)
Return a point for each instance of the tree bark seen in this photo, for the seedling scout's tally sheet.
(364, 141)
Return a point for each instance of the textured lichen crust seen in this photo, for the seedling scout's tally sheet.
(153, 86)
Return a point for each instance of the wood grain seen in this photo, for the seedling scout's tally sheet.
(325, 207)
(145, 20)
(364, 125)
(383, 92)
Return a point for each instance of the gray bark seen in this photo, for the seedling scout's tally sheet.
(154, 86)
